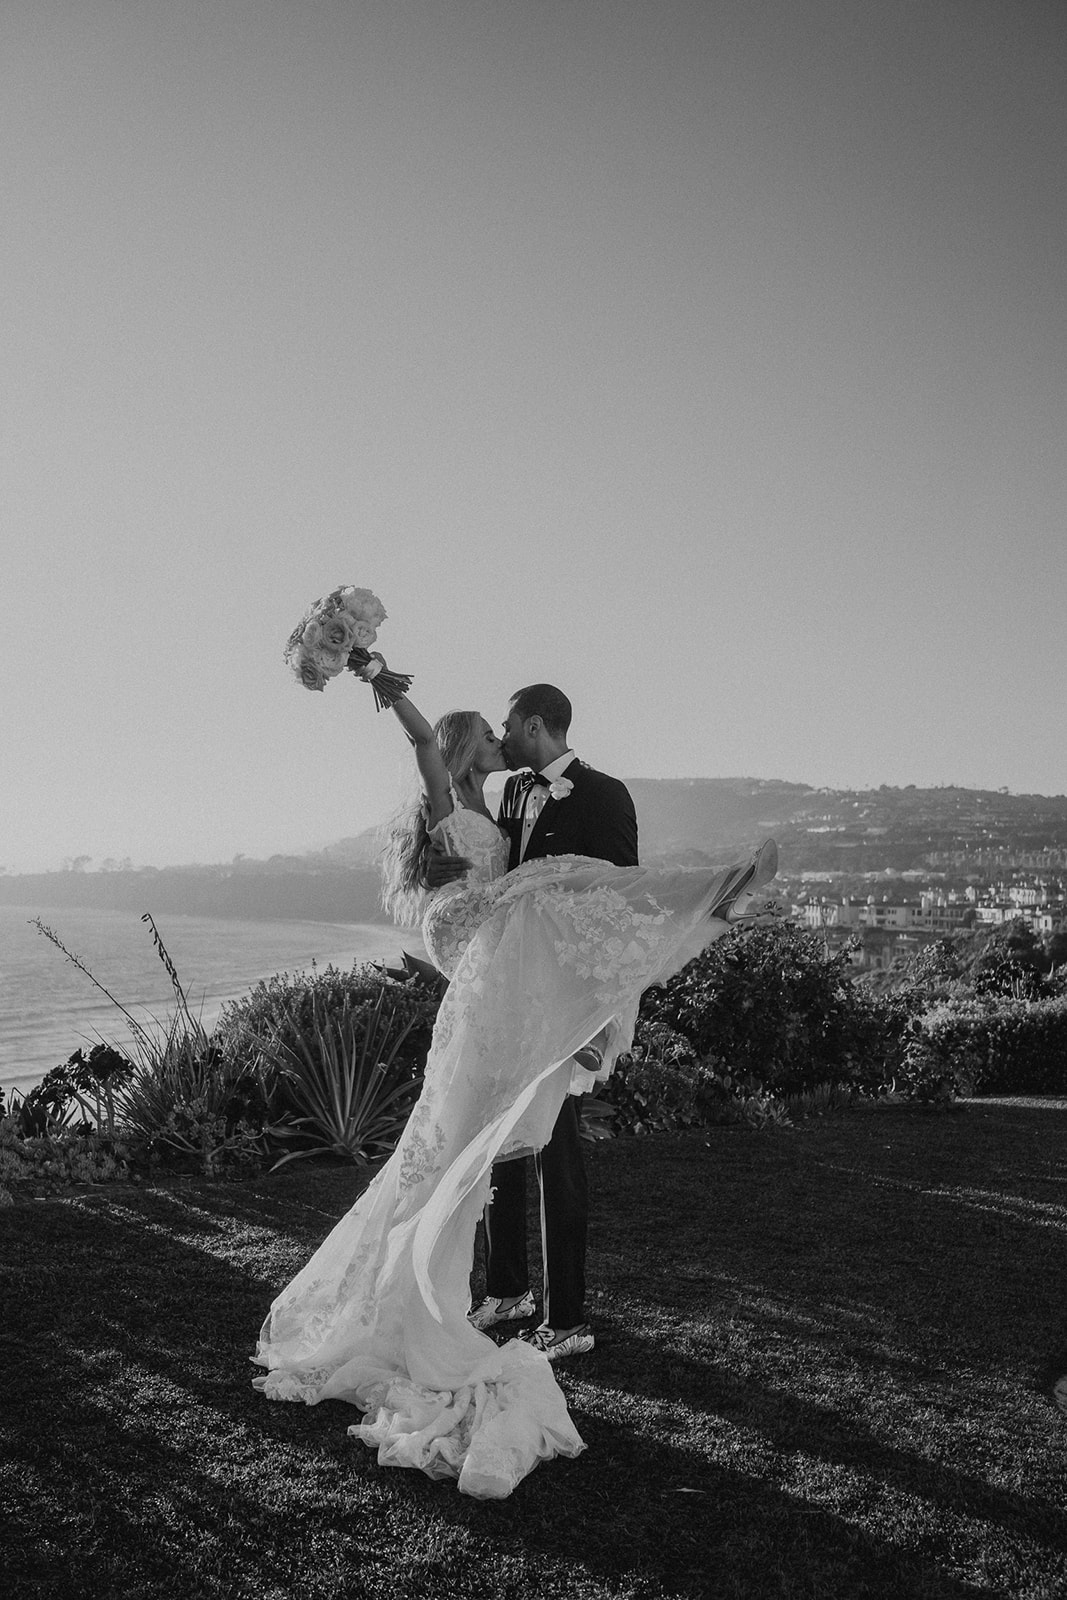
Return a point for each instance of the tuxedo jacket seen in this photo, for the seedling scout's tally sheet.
(596, 819)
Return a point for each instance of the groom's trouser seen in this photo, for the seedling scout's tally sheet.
(564, 1214)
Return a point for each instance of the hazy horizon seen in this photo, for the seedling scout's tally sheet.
(313, 847)
(707, 358)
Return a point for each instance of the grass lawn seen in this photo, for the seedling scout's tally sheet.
(823, 1369)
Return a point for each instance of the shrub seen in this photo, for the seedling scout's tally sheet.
(996, 1045)
(650, 1096)
(1007, 960)
(781, 1014)
(661, 1087)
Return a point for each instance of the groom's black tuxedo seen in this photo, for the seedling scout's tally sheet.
(596, 818)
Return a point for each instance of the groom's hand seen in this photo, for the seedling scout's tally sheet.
(441, 868)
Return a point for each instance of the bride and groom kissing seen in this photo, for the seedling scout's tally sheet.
(557, 806)
(549, 932)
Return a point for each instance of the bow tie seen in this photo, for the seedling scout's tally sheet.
(533, 780)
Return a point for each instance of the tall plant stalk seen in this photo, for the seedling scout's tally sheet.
(139, 1032)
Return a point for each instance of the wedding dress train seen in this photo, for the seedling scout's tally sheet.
(541, 960)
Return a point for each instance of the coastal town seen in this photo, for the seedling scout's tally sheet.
(887, 931)
(975, 861)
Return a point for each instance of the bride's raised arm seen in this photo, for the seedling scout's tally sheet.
(428, 758)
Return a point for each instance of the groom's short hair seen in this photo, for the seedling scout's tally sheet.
(544, 700)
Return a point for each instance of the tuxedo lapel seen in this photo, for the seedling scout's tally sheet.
(551, 813)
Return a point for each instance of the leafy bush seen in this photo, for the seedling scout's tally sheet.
(780, 1014)
(661, 1087)
(1006, 960)
(996, 1045)
(650, 1096)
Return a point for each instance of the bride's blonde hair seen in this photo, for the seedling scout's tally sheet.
(407, 841)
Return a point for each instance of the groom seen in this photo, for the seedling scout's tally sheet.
(559, 807)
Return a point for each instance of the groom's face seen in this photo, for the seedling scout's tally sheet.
(516, 742)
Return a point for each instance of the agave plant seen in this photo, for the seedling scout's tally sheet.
(350, 1093)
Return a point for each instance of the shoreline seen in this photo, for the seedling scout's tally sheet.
(95, 1018)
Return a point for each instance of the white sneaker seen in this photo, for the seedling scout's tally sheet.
(578, 1343)
(489, 1315)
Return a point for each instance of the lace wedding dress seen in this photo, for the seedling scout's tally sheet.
(541, 960)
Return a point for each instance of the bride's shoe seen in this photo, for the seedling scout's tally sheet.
(765, 864)
(760, 870)
(748, 912)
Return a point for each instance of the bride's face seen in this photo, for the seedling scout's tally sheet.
(489, 756)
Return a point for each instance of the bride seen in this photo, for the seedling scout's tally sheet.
(543, 962)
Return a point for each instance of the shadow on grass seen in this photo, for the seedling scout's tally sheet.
(832, 1437)
(139, 1461)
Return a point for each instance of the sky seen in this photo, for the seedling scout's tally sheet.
(706, 359)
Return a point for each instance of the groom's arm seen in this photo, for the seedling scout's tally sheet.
(440, 868)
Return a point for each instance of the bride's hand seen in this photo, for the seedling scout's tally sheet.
(361, 668)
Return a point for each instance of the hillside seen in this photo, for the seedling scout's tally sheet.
(676, 816)
(951, 832)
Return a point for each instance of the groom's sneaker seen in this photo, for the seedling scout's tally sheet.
(557, 1346)
(494, 1310)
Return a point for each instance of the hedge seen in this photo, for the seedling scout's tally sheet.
(996, 1045)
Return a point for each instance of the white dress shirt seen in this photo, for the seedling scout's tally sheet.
(536, 797)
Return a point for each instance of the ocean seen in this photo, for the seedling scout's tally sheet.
(48, 1008)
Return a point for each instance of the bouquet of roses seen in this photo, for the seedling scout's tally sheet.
(333, 634)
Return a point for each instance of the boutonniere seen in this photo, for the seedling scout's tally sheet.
(559, 788)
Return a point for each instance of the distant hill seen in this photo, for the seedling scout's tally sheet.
(683, 822)
(677, 816)
(695, 821)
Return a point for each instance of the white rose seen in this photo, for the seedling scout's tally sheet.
(364, 606)
(309, 673)
(338, 632)
(332, 662)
